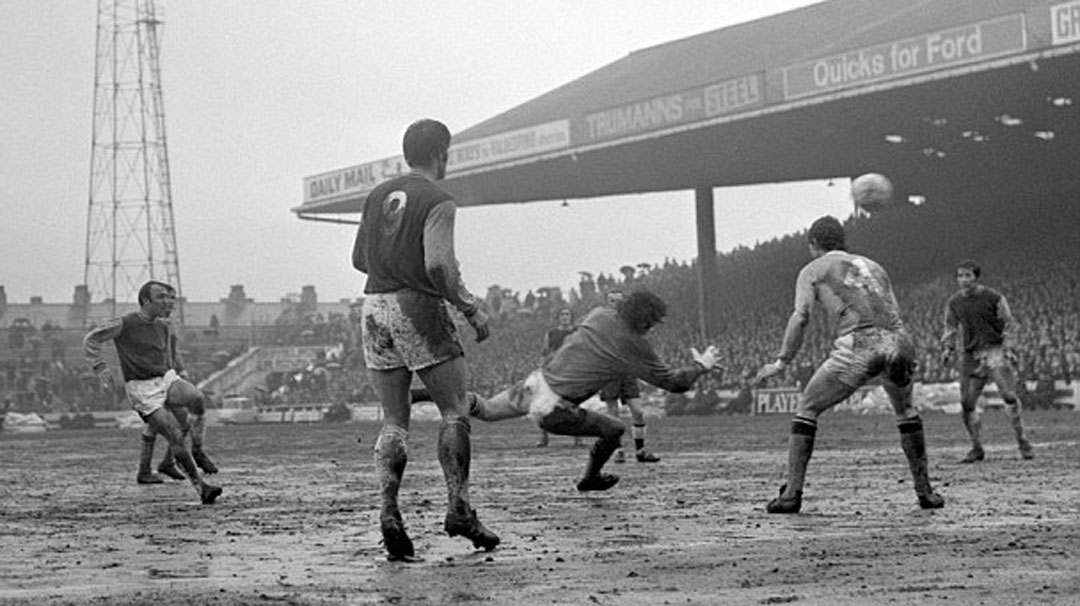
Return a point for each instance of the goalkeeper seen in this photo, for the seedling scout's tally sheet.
(609, 344)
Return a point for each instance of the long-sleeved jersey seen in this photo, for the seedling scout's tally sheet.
(147, 349)
(406, 240)
(605, 348)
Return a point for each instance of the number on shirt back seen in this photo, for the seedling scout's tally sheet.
(393, 209)
(858, 275)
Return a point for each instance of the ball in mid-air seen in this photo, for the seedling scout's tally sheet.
(872, 191)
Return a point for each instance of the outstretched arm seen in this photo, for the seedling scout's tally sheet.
(652, 370)
(92, 348)
(795, 329)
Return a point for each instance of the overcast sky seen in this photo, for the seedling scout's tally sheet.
(260, 94)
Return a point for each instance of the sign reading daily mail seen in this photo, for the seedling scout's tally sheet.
(359, 179)
(938, 50)
(353, 180)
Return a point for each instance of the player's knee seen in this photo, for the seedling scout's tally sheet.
(455, 422)
(613, 431)
(808, 410)
(182, 393)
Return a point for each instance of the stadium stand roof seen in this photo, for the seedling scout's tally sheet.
(935, 93)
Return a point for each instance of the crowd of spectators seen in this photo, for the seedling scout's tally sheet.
(1030, 257)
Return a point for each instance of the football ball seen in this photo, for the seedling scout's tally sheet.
(872, 191)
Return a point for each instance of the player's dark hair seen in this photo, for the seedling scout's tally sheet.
(827, 234)
(144, 290)
(425, 139)
(971, 265)
(642, 310)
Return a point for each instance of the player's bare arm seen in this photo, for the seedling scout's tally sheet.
(794, 333)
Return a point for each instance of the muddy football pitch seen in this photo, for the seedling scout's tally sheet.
(297, 523)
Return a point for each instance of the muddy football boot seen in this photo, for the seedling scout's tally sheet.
(975, 454)
(172, 471)
(931, 501)
(399, 547)
(469, 526)
(149, 478)
(644, 456)
(209, 493)
(782, 505)
(603, 481)
(203, 461)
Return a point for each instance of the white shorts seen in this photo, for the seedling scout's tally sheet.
(148, 395)
(537, 397)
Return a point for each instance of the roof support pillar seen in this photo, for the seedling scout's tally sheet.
(708, 274)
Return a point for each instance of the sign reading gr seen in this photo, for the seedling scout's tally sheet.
(1065, 22)
(946, 48)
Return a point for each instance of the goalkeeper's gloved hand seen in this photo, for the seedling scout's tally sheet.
(708, 358)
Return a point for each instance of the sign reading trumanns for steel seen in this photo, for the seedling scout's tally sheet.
(974, 42)
(1065, 22)
(682, 107)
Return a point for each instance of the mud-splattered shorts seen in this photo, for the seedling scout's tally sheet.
(407, 329)
(862, 355)
(981, 364)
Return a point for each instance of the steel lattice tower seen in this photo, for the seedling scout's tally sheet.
(130, 233)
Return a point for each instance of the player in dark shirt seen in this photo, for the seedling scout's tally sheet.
(979, 318)
(553, 340)
(856, 294)
(153, 374)
(405, 245)
(609, 344)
